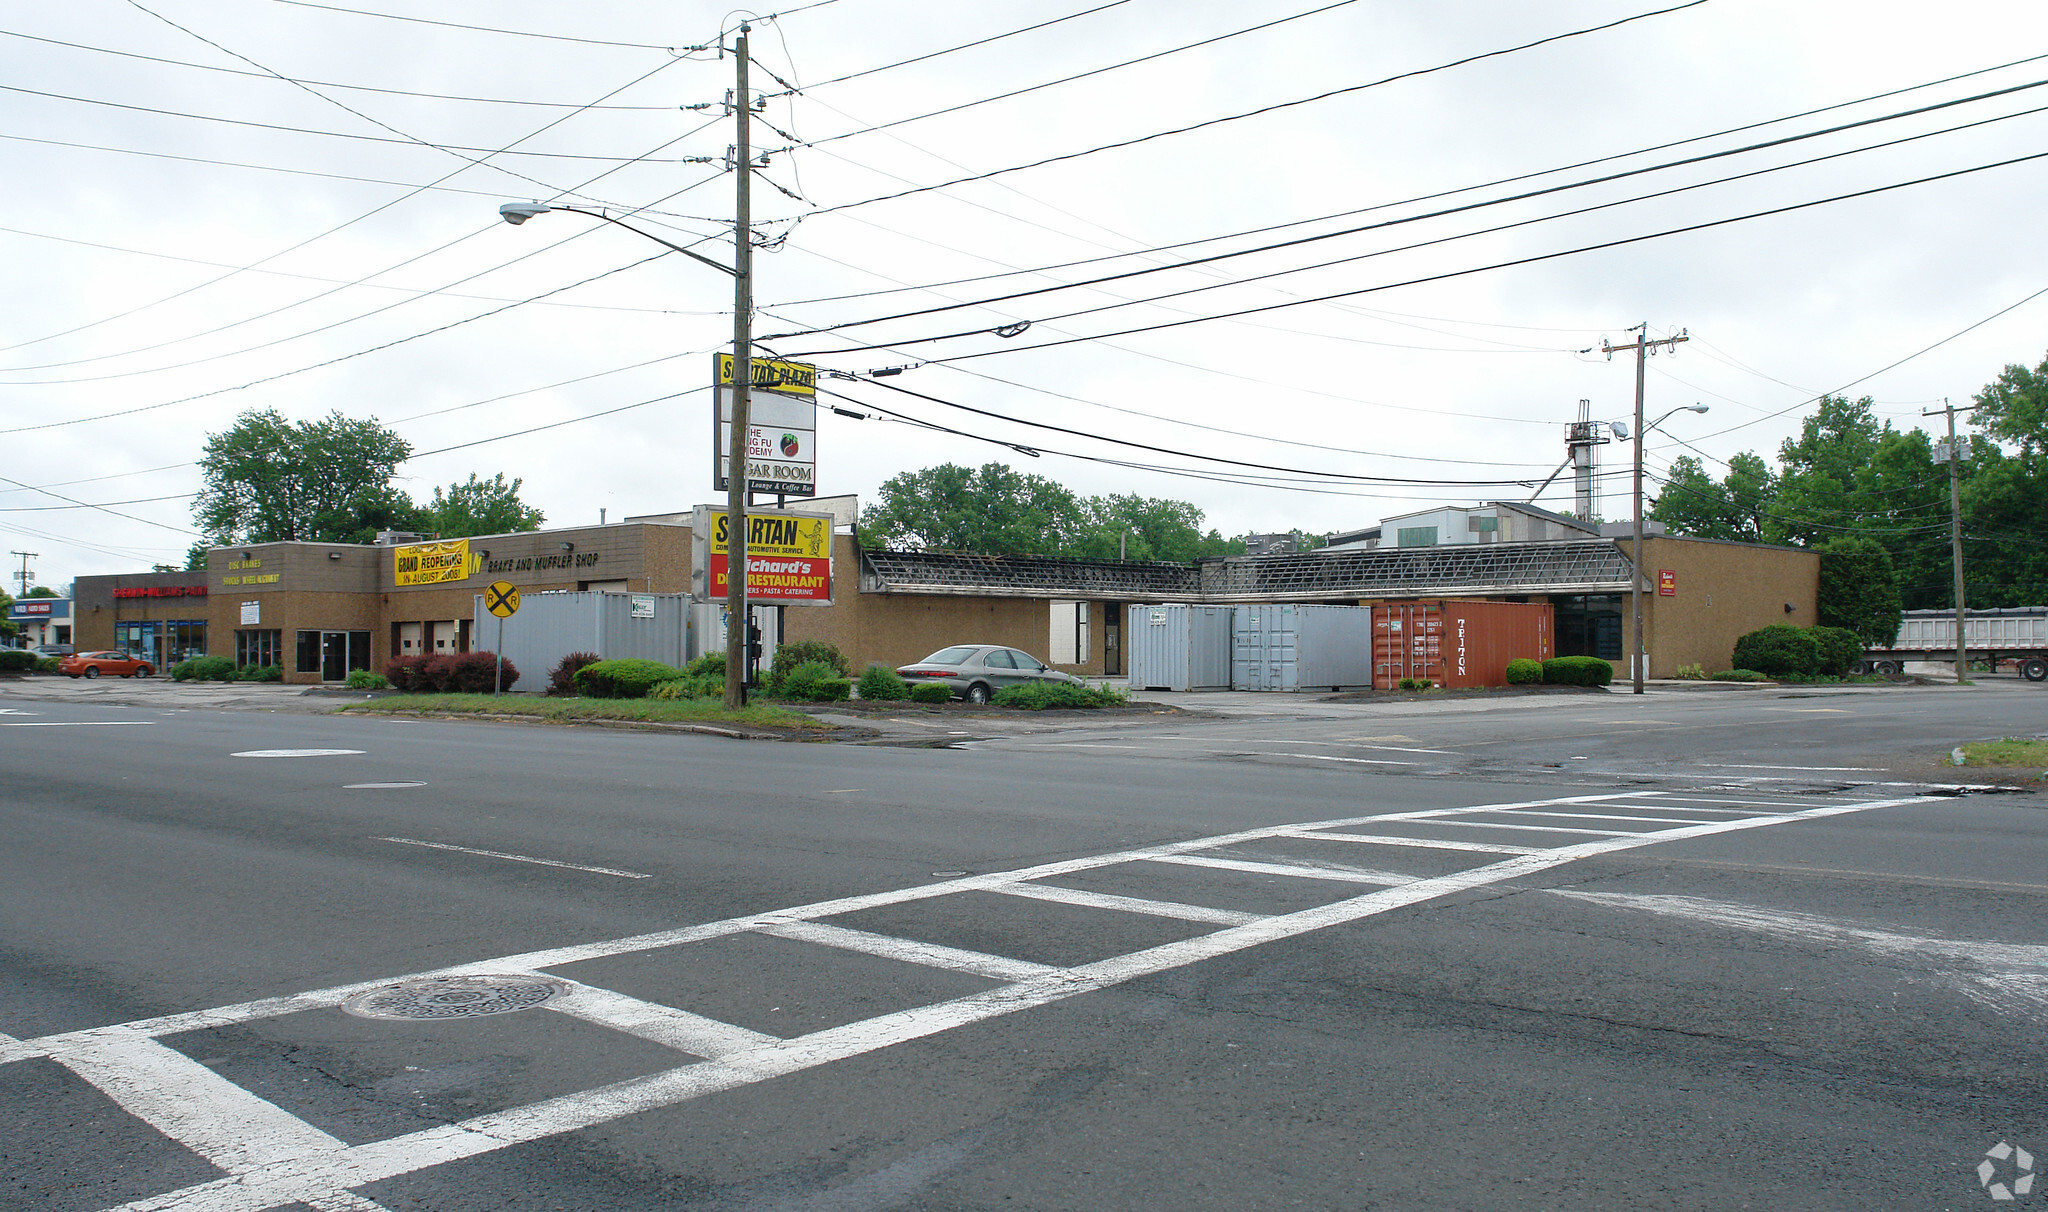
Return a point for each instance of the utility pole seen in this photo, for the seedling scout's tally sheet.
(1644, 346)
(22, 576)
(736, 495)
(1955, 526)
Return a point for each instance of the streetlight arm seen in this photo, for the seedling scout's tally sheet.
(519, 212)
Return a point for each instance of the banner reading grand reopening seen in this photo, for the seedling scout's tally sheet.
(430, 563)
(789, 557)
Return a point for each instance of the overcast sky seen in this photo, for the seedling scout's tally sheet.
(169, 270)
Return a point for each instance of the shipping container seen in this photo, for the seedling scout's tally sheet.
(1179, 647)
(1282, 646)
(1457, 643)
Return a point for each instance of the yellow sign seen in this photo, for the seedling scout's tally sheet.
(431, 563)
(777, 534)
(767, 374)
(502, 599)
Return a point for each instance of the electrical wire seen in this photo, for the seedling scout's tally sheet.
(488, 29)
(963, 46)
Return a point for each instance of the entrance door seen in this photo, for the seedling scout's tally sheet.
(1113, 639)
(334, 656)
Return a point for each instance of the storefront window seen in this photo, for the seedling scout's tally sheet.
(333, 654)
(309, 652)
(258, 647)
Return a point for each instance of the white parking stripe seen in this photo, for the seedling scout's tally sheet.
(1533, 828)
(192, 1104)
(665, 1025)
(517, 858)
(316, 1177)
(71, 723)
(910, 951)
(1602, 816)
(1127, 904)
(1297, 870)
(1427, 843)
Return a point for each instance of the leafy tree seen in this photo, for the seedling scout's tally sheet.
(480, 506)
(1859, 589)
(2014, 408)
(272, 480)
(992, 509)
(41, 591)
(1148, 528)
(1737, 508)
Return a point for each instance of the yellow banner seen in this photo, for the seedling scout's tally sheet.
(430, 563)
(777, 534)
(767, 374)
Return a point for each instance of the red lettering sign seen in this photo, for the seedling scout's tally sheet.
(1667, 583)
(162, 591)
(778, 578)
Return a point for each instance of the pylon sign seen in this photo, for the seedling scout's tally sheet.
(782, 426)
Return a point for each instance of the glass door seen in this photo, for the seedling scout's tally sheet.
(334, 656)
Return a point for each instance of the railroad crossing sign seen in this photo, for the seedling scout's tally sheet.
(502, 599)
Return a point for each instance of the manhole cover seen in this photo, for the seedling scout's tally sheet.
(453, 997)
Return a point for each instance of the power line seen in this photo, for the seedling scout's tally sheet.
(952, 49)
(489, 29)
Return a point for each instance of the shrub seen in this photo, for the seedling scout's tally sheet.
(1740, 675)
(1779, 648)
(690, 688)
(1577, 671)
(361, 679)
(420, 673)
(631, 678)
(563, 679)
(1524, 672)
(879, 683)
(272, 673)
(1691, 673)
(17, 660)
(204, 669)
(710, 665)
(1839, 647)
(48, 664)
(807, 683)
(1038, 696)
(797, 653)
(930, 692)
(1415, 684)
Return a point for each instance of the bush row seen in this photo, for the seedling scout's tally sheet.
(17, 660)
(1782, 649)
(449, 673)
(1037, 696)
(222, 669)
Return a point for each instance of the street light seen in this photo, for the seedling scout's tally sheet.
(1639, 660)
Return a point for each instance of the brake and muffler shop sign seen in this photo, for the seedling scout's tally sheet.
(789, 557)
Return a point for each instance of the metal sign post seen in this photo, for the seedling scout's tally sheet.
(501, 599)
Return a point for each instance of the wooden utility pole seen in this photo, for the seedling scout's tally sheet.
(1955, 526)
(1643, 346)
(742, 382)
(22, 576)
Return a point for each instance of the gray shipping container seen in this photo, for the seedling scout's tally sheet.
(1178, 647)
(1282, 646)
(550, 626)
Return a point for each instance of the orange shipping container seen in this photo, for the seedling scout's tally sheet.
(1459, 644)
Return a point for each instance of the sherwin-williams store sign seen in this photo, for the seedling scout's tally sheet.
(430, 563)
(789, 557)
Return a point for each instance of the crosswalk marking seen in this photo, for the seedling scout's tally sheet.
(1426, 843)
(273, 1159)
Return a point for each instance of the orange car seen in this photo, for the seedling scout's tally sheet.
(93, 664)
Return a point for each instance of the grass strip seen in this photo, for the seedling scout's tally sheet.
(2012, 751)
(650, 711)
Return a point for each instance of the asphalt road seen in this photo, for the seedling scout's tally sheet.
(1611, 955)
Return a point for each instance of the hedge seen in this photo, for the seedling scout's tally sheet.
(1037, 696)
(630, 678)
(17, 660)
(931, 692)
(1524, 672)
(1840, 649)
(1780, 648)
(205, 669)
(563, 678)
(1577, 671)
(457, 673)
(879, 683)
(810, 682)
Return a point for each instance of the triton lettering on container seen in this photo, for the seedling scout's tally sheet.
(1457, 644)
(1284, 646)
(1179, 647)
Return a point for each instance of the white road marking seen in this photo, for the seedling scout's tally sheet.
(1544, 828)
(1324, 757)
(910, 951)
(1080, 745)
(517, 858)
(2011, 978)
(664, 1025)
(315, 1177)
(378, 786)
(1126, 904)
(1759, 766)
(1426, 843)
(17, 711)
(1608, 816)
(190, 1103)
(293, 753)
(72, 723)
(344, 1201)
(1346, 875)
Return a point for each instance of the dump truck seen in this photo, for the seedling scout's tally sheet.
(2016, 637)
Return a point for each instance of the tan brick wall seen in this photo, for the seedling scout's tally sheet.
(1724, 590)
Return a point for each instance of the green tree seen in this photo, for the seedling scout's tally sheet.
(2005, 496)
(991, 509)
(1859, 589)
(480, 506)
(1737, 508)
(1148, 528)
(272, 480)
(41, 591)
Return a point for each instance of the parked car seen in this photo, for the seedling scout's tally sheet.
(93, 664)
(59, 651)
(976, 671)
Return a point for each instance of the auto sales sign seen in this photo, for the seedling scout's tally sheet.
(789, 557)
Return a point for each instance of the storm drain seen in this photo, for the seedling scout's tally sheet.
(453, 997)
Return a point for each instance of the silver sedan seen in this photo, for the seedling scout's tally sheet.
(976, 671)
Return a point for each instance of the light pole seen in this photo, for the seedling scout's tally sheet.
(742, 369)
(1639, 661)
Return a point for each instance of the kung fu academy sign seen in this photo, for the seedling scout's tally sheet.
(789, 557)
(782, 427)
